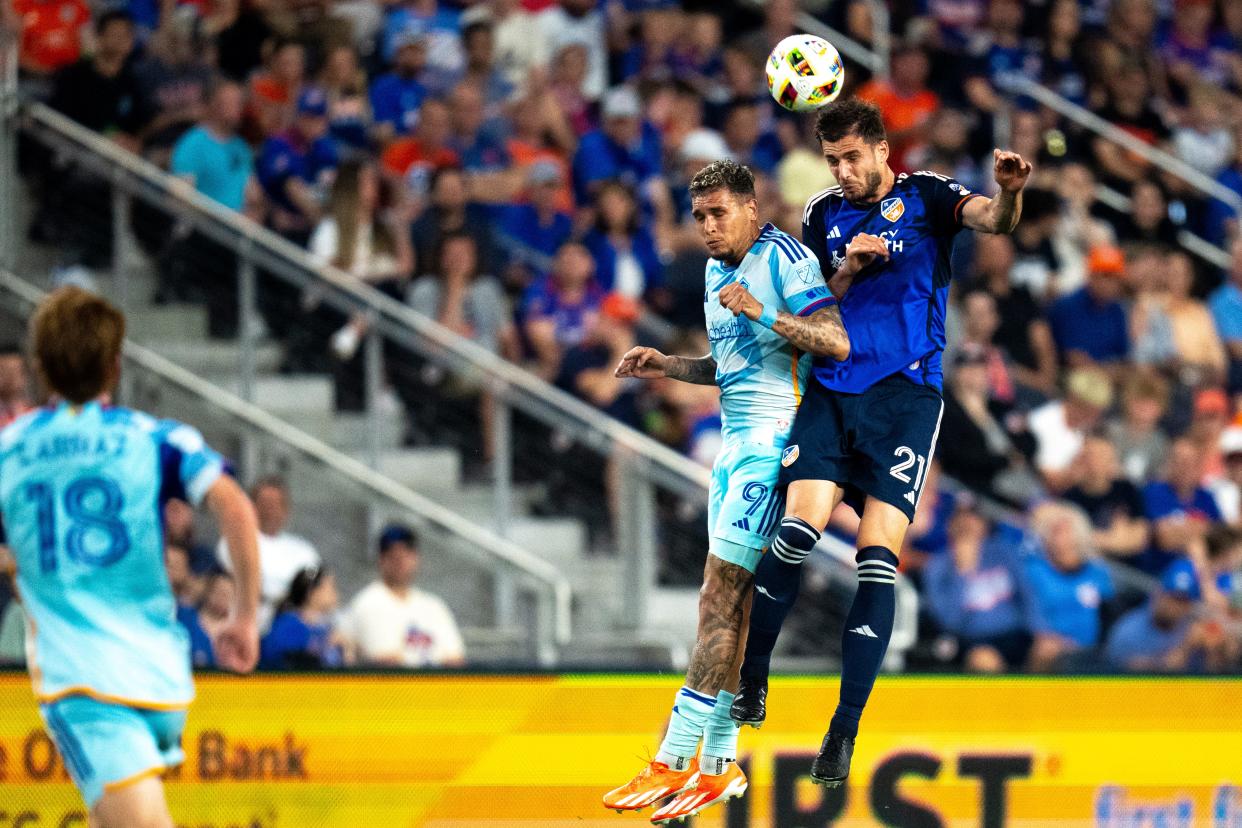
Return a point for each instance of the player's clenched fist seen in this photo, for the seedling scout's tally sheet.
(862, 250)
(736, 298)
(642, 362)
(1010, 170)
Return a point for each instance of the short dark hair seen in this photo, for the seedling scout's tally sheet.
(850, 117)
(397, 533)
(109, 17)
(723, 175)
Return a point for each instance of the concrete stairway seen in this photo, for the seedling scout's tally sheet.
(603, 636)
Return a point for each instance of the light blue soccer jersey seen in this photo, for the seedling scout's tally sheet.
(761, 376)
(82, 493)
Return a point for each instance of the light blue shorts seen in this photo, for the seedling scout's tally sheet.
(106, 745)
(744, 507)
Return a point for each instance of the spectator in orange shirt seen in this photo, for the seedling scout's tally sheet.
(410, 162)
(52, 33)
(275, 90)
(905, 100)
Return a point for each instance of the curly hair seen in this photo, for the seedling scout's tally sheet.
(723, 175)
(850, 117)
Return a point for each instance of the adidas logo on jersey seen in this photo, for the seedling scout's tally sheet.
(835, 232)
(910, 497)
(864, 631)
(742, 524)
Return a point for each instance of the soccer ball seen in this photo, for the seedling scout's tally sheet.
(804, 72)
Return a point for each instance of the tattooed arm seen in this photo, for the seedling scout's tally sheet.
(648, 363)
(822, 333)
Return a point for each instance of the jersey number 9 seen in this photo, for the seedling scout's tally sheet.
(93, 505)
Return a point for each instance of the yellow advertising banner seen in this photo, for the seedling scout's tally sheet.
(488, 751)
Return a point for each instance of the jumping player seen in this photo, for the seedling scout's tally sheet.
(868, 426)
(758, 364)
(82, 486)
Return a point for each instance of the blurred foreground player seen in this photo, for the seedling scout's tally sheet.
(868, 426)
(82, 489)
(759, 365)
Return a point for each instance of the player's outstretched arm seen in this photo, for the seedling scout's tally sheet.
(1000, 214)
(648, 363)
(822, 333)
(237, 647)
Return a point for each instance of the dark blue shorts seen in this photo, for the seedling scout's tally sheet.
(875, 443)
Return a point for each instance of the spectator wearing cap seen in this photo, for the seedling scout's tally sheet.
(1226, 307)
(1114, 504)
(1141, 444)
(1061, 426)
(394, 624)
(439, 24)
(1210, 416)
(282, 554)
(532, 232)
(587, 369)
(1164, 636)
(988, 439)
(1228, 488)
(397, 96)
(303, 635)
(626, 148)
(558, 310)
(1068, 588)
(976, 594)
(1089, 325)
(1180, 509)
(626, 260)
(295, 168)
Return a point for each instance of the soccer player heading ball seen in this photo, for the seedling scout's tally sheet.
(867, 429)
(766, 306)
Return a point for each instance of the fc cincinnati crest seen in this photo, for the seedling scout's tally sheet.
(892, 208)
(790, 456)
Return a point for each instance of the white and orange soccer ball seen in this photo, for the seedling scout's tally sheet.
(804, 72)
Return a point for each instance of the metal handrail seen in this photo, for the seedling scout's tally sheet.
(548, 582)
(1089, 120)
(391, 318)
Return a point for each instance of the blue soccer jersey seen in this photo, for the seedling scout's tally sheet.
(761, 375)
(894, 310)
(82, 492)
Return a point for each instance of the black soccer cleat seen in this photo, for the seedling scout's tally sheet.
(832, 766)
(750, 704)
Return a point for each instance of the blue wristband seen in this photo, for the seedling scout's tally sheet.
(768, 318)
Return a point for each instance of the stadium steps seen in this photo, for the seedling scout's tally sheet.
(179, 333)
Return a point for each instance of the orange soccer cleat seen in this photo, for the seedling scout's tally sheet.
(709, 790)
(656, 781)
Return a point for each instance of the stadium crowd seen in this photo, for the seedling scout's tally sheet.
(517, 168)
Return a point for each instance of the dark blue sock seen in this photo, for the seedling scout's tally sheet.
(777, 578)
(868, 628)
